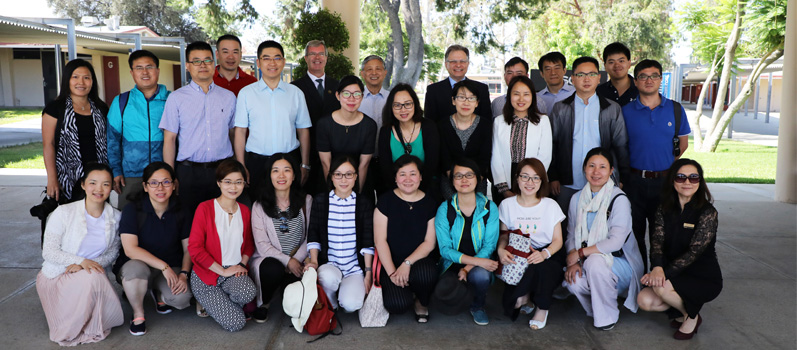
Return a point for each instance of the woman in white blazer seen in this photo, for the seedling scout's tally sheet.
(523, 132)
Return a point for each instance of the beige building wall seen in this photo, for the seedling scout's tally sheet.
(777, 94)
(6, 89)
(27, 81)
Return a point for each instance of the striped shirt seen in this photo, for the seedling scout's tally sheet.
(342, 235)
(293, 238)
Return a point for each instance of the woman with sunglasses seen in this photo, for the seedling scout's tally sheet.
(603, 260)
(465, 134)
(406, 131)
(341, 237)
(685, 272)
(155, 257)
(220, 245)
(347, 130)
(280, 218)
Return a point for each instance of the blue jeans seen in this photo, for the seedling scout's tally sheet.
(479, 280)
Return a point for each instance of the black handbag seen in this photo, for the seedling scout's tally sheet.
(43, 210)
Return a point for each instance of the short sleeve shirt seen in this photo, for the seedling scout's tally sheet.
(160, 236)
(650, 133)
(406, 228)
(538, 221)
(353, 140)
(85, 131)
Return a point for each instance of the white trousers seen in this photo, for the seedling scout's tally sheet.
(596, 289)
(348, 293)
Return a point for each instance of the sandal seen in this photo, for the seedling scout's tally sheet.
(200, 311)
(422, 318)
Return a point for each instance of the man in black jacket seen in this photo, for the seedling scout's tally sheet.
(437, 103)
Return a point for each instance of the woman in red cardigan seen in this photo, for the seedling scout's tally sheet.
(220, 246)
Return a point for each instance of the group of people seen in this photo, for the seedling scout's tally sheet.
(275, 179)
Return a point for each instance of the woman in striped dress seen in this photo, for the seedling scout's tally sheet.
(341, 237)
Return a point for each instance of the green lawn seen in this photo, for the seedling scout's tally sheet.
(22, 157)
(737, 162)
(13, 115)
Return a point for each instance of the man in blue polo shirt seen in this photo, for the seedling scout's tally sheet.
(276, 115)
(651, 124)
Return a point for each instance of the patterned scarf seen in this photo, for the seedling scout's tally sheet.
(68, 163)
(598, 205)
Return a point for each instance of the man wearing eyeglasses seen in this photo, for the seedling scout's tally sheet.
(134, 139)
(658, 133)
(620, 88)
(200, 117)
(229, 74)
(580, 123)
(319, 93)
(437, 104)
(275, 114)
(553, 66)
(516, 66)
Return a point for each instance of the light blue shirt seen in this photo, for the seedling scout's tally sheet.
(586, 136)
(372, 106)
(452, 81)
(272, 117)
(548, 99)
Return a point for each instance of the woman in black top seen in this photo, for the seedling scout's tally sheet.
(155, 240)
(686, 273)
(406, 131)
(465, 134)
(73, 130)
(347, 130)
(404, 236)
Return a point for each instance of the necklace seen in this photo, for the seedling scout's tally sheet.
(404, 200)
(407, 141)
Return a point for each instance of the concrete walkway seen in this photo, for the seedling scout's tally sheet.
(21, 133)
(756, 310)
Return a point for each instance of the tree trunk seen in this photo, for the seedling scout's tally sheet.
(713, 139)
(694, 120)
(399, 71)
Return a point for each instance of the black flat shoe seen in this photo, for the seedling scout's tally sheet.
(422, 318)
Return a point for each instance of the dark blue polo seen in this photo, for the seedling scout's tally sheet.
(161, 237)
(650, 134)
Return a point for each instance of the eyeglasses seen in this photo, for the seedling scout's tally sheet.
(456, 61)
(270, 59)
(467, 98)
(228, 182)
(319, 54)
(347, 94)
(207, 61)
(142, 68)
(681, 178)
(284, 222)
(581, 75)
(525, 178)
(338, 176)
(469, 175)
(648, 77)
(155, 184)
(407, 105)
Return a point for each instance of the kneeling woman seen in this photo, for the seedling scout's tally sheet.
(533, 214)
(686, 273)
(467, 231)
(602, 263)
(155, 257)
(220, 246)
(80, 242)
(341, 237)
(404, 237)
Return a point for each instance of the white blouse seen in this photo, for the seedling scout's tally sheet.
(231, 234)
(94, 242)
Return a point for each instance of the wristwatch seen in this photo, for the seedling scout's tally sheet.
(242, 264)
(184, 272)
(408, 262)
(305, 166)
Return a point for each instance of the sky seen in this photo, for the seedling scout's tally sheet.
(39, 8)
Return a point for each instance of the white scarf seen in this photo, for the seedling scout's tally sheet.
(598, 205)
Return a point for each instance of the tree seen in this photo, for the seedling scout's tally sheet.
(216, 20)
(287, 13)
(755, 27)
(329, 27)
(404, 65)
(158, 15)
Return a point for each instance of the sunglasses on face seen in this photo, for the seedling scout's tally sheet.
(681, 178)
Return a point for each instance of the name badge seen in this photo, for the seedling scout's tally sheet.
(688, 225)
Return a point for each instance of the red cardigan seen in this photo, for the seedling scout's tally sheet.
(204, 245)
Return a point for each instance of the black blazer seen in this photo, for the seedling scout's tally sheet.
(479, 147)
(315, 105)
(437, 103)
(431, 151)
(319, 228)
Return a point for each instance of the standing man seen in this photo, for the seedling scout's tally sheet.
(516, 66)
(199, 116)
(134, 139)
(319, 93)
(620, 88)
(552, 69)
(657, 135)
(580, 123)
(437, 104)
(276, 113)
(229, 74)
(373, 73)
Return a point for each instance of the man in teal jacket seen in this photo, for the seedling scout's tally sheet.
(134, 138)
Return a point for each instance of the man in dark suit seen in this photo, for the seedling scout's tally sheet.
(319, 92)
(438, 103)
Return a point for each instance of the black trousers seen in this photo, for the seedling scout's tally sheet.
(423, 278)
(539, 281)
(197, 184)
(273, 276)
(644, 195)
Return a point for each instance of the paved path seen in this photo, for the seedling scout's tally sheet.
(756, 310)
(21, 133)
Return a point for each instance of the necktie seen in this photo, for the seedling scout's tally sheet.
(320, 87)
